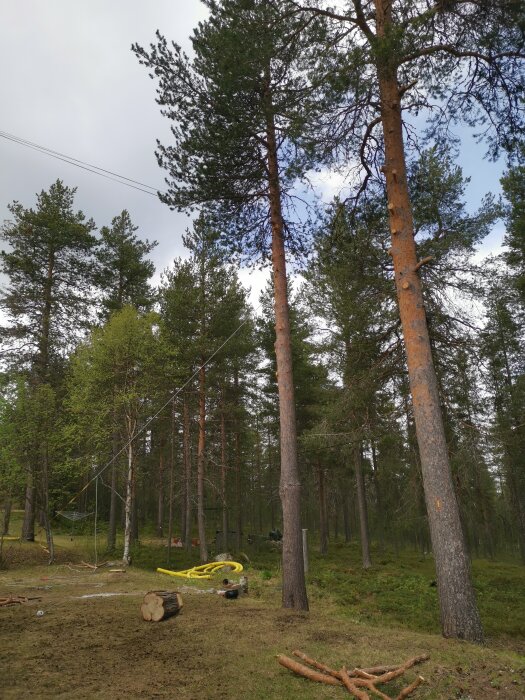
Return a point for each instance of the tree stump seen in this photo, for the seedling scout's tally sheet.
(160, 605)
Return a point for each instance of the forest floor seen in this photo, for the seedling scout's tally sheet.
(91, 642)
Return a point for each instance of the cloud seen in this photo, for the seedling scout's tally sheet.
(71, 83)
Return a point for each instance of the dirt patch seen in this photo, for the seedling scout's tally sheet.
(99, 647)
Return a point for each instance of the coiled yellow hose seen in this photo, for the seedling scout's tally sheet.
(204, 570)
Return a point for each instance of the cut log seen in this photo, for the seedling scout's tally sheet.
(160, 605)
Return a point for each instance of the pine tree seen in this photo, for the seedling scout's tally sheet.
(202, 305)
(513, 184)
(503, 342)
(349, 289)
(123, 271)
(465, 60)
(113, 378)
(236, 110)
(49, 265)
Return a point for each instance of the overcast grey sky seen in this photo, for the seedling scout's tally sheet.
(70, 82)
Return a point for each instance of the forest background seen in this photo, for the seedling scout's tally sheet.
(72, 408)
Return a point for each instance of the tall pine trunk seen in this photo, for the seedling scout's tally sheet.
(259, 472)
(224, 503)
(294, 585)
(160, 492)
(187, 471)
(172, 482)
(7, 515)
(238, 489)
(45, 506)
(459, 613)
(323, 518)
(237, 443)
(201, 457)
(28, 524)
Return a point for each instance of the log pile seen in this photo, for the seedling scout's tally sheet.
(357, 681)
(160, 605)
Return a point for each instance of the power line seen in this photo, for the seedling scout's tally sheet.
(89, 167)
(26, 142)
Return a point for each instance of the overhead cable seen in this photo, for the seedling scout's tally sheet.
(89, 167)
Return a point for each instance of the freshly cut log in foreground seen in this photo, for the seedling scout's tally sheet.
(159, 605)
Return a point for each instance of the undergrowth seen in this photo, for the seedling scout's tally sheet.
(398, 591)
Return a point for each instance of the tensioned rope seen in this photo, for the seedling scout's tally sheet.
(150, 420)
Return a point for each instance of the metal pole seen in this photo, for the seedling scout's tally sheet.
(96, 517)
(305, 550)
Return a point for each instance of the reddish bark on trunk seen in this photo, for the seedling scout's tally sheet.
(201, 456)
(294, 586)
(459, 613)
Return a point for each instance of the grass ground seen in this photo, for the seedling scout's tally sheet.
(99, 647)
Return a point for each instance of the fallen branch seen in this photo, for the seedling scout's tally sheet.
(390, 675)
(6, 601)
(357, 680)
(410, 688)
(302, 670)
(359, 694)
(87, 565)
(317, 664)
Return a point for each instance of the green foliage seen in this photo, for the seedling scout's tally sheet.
(50, 269)
(310, 376)
(123, 272)
(112, 379)
(242, 82)
(513, 184)
(202, 303)
(453, 62)
(502, 345)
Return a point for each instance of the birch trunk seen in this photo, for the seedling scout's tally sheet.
(128, 506)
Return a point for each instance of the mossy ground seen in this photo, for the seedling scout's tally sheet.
(99, 647)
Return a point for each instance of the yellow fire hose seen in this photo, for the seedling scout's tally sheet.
(204, 570)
